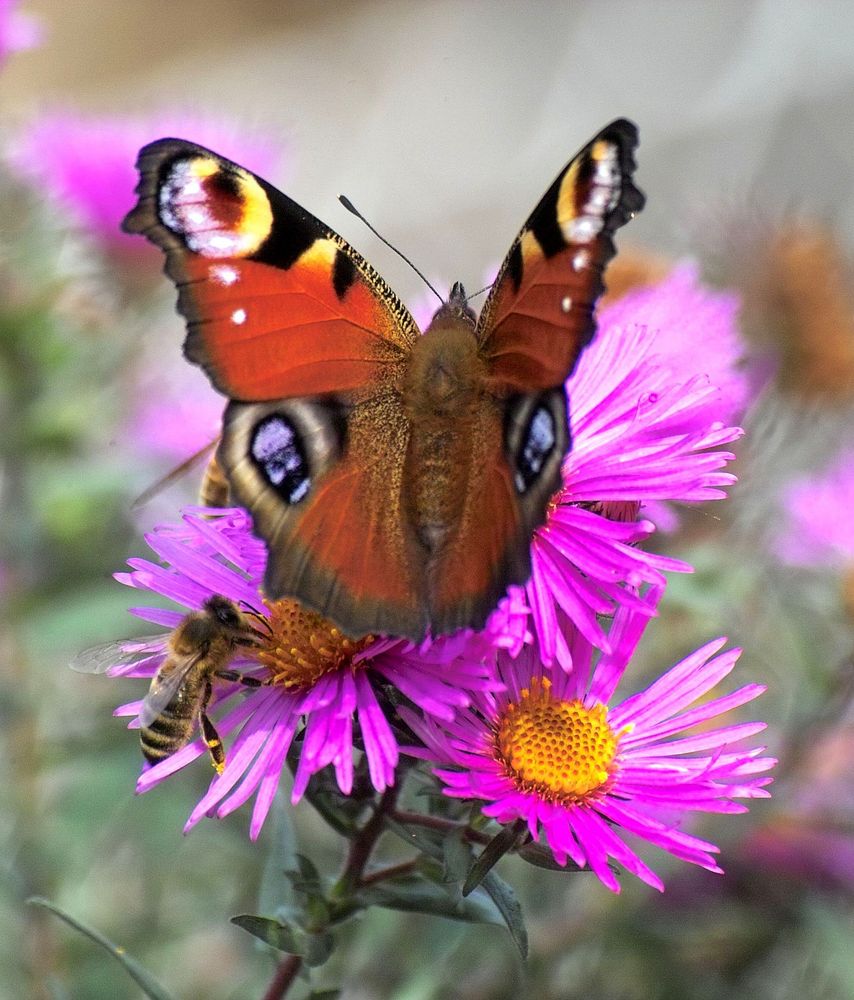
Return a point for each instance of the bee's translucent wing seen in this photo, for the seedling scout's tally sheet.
(119, 653)
(165, 685)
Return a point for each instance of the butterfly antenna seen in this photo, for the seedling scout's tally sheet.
(345, 201)
(485, 288)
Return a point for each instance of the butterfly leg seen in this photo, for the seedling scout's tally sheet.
(211, 736)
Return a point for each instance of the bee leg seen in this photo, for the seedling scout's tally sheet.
(211, 737)
(233, 675)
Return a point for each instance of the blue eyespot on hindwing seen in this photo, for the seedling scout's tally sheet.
(277, 450)
(537, 444)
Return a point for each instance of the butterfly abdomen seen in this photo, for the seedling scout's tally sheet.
(443, 396)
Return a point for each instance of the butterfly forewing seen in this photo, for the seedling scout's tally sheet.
(535, 323)
(539, 315)
(276, 303)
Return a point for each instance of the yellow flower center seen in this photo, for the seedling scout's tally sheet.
(304, 646)
(560, 749)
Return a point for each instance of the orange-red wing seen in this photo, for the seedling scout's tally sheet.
(539, 314)
(277, 304)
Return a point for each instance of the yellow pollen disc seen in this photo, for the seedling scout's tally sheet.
(560, 749)
(304, 646)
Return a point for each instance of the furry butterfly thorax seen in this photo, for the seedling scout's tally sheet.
(397, 477)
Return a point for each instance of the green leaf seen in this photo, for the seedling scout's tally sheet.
(505, 840)
(324, 995)
(276, 890)
(317, 948)
(429, 842)
(314, 948)
(457, 856)
(338, 811)
(275, 933)
(417, 894)
(509, 907)
(141, 976)
(542, 857)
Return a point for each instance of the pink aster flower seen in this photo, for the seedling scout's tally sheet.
(820, 529)
(17, 31)
(649, 416)
(551, 750)
(696, 332)
(313, 676)
(86, 163)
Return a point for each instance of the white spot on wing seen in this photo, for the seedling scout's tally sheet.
(566, 303)
(224, 274)
(238, 317)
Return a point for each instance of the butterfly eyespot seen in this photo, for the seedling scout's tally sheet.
(219, 212)
(277, 450)
(538, 444)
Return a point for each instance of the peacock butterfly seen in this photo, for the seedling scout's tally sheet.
(396, 477)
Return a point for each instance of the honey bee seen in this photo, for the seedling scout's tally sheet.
(198, 651)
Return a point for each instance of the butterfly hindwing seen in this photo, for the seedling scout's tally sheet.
(325, 488)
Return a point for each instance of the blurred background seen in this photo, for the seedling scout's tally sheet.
(444, 122)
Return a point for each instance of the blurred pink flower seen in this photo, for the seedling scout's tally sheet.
(17, 31)
(693, 332)
(810, 836)
(801, 850)
(87, 162)
(818, 529)
(177, 411)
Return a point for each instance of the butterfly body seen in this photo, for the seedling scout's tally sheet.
(396, 477)
(446, 404)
